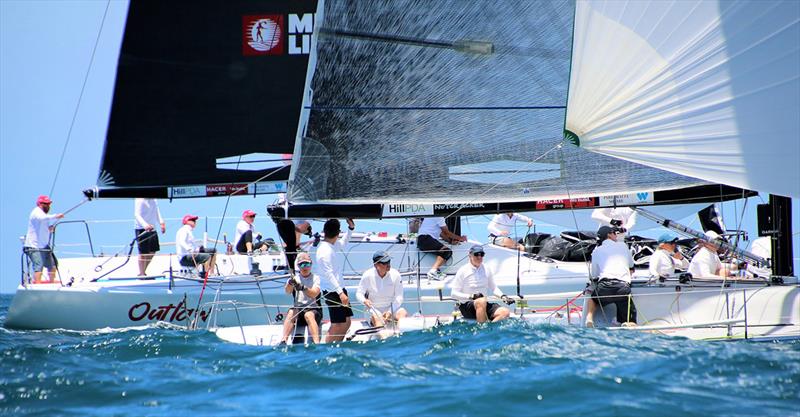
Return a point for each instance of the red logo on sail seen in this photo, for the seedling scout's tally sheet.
(262, 35)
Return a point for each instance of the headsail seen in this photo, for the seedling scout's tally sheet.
(449, 101)
(709, 89)
(207, 98)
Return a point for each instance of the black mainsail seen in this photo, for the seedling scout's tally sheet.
(207, 98)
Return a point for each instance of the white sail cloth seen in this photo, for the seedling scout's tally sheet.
(705, 89)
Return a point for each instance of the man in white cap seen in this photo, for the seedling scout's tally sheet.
(471, 286)
(667, 259)
(146, 216)
(245, 231)
(381, 291)
(612, 265)
(307, 309)
(502, 225)
(188, 253)
(705, 262)
(37, 240)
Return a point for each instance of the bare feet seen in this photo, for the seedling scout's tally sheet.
(589, 324)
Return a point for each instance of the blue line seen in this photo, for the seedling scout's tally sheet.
(432, 108)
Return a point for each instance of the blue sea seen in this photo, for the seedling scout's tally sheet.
(503, 369)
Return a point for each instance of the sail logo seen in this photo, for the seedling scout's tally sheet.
(402, 210)
(270, 35)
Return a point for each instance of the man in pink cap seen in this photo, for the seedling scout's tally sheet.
(188, 253)
(244, 234)
(37, 240)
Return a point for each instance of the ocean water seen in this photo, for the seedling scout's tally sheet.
(509, 368)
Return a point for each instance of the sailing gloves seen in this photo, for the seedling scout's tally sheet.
(298, 286)
(615, 222)
(476, 296)
(507, 300)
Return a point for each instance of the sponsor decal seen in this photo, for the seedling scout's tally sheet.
(438, 207)
(277, 34)
(627, 199)
(566, 203)
(187, 191)
(170, 312)
(268, 188)
(225, 189)
(262, 35)
(403, 210)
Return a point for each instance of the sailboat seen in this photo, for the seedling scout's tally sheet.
(413, 110)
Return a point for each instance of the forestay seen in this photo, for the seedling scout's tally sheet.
(709, 89)
(448, 101)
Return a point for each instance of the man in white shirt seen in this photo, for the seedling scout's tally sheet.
(307, 309)
(37, 239)
(381, 291)
(428, 241)
(667, 259)
(706, 262)
(471, 286)
(501, 227)
(333, 290)
(244, 234)
(188, 253)
(612, 265)
(146, 216)
(623, 218)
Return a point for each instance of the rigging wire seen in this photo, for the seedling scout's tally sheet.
(80, 97)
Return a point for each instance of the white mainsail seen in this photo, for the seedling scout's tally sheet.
(707, 89)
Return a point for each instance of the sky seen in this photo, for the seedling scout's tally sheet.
(50, 107)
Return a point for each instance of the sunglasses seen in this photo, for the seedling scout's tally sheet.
(478, 254)
(305, 264)
(385, 263)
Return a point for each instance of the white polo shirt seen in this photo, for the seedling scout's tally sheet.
(432, 226)
(184, 241)
(662, 264)
(612, 260)
(471, 280)
(241, 228)
(326, 267)
(383, 292)
(627, 215)
(38, 235)
(145, 211)
(502, 223)
(705, 263)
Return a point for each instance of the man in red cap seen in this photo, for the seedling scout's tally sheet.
(244, 234)
(188, 253)
(37, 240)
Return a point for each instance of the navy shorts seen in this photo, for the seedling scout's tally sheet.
(301, 320)
(426, 243)
(467, 309)
(337, 312)
(147, 241)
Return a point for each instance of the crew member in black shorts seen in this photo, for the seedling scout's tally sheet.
(333, 288)
(472, 285)
(428, 241)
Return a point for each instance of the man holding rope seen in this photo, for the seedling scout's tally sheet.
(307, 309)
(335, 294)
(471, 287)
(381, 291)
(37, 240)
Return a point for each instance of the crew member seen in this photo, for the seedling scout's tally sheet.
(667, 259)
(612, 265)
(333, 290)
(188, 253)
(37, 240)
(147, 215)
(623, 218)
(245, 232)
(307, 307)
(706, 262)
(428, 241)
(471, 286)
(381, 291)
(502, 225)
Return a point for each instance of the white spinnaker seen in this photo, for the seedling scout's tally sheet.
(705, 89)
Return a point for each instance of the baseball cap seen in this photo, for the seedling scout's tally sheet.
(248, 213)
(667, 238)
(43, 199)
(476, 249)
(603, 231)
(189, 217)
(381, 257)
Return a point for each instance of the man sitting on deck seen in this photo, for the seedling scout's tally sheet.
(245, 234)
(188, 254)
(612, 264)
(667, 258)
(307, 309)
(500, 229)
(471, 285)
(381, 291)
(706, 262)
(428, 241)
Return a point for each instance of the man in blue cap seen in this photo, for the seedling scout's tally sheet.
(471, 286)
(667, 259)
(381, 291)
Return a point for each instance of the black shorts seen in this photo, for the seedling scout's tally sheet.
(301, 320)
(337, 312)
(197, 258)
(147, 241)
(468, 309)
(426, 243)
(609, 291)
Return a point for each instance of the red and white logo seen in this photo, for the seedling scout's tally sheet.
(262, 35)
